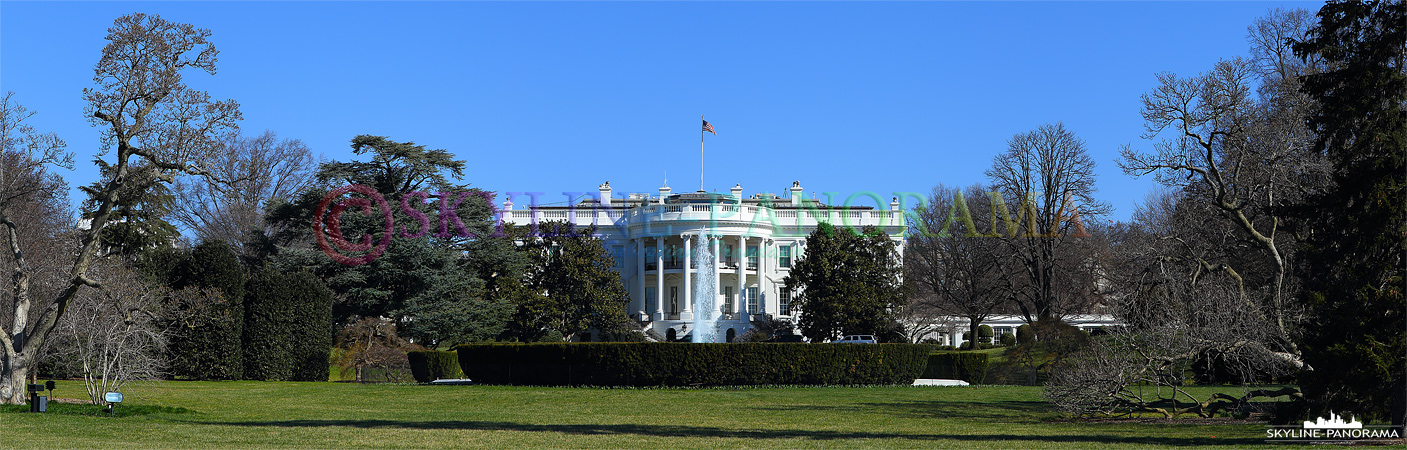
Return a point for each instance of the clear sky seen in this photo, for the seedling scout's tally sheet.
(555, 97)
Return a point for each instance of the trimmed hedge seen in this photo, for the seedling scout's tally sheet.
(675, 364)
(431, 365)
(967, 366)
(287, 326)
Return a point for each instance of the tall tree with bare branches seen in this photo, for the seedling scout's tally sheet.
(952, 265)
(146, 115)
(261, 171)
(1048, 175)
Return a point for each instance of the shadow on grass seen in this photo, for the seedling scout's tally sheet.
(666, 431)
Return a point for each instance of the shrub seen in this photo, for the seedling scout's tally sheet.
(431, 365)
(967, 366)
(661, 364)
(1008, 339)
(984, 334)
(268, 339)
(313, 330)
(208, 318)
(287, 327)
(1024, 334)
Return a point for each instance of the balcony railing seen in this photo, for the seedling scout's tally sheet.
(762, 215)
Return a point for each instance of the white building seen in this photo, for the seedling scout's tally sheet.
(948, 330)
(752, 242)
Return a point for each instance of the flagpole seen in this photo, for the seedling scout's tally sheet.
(701, 165)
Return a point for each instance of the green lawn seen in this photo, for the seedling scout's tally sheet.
(342, 415)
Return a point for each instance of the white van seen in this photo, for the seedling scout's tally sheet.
(857, 339)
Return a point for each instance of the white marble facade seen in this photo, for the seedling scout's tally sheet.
(754, 240)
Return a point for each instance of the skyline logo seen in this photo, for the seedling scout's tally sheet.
(1331, 430)
(1335, 422)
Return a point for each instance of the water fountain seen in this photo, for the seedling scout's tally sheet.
(706, 312)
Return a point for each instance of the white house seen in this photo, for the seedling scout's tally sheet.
(948, 330)
(749, 244)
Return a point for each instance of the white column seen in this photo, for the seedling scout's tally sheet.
(640, 272)
(716, 243)
(762, 298)
(659, 278)
(688, 313)
(740, 304)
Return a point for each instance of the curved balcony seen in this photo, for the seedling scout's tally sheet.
(759, 217)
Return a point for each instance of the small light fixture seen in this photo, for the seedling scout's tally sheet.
(112, 399)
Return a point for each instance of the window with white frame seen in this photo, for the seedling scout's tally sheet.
(784, 256)
(752, 300)
(785, 299)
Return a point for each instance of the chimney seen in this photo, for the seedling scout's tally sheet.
(664, 193)
(738, 192)
(894, 204)
(508, 205)
(605, 193)
(796, 193)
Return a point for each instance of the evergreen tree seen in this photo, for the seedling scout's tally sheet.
(137, 222)
(1353, 260)
(288, 327)
(846, 283)
(209, 315)
(268, 333)
(569, 286)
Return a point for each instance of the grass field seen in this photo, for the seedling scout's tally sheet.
(344, 415)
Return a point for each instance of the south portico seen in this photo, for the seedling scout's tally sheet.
(750, 246)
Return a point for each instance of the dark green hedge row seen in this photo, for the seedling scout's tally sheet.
(967, 366)
(287, 327)
(431, 365)
(675, 364)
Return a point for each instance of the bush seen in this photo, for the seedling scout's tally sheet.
(313, 327)
(431, 365)
(268, 315)
(1008, 339)
(1025, 335)
(984, 334)
(287, 327)
(661, 364)
(209, 325)
(967, 366)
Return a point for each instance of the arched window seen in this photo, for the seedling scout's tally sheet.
(732, 334)
(671, 335)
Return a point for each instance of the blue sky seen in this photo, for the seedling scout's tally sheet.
(555, 97)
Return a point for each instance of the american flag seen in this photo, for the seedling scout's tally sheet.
(709, 128)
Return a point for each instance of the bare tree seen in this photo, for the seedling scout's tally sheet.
(113, 335)
(372, 343)
(1049, 175)
(146, 115)
(34, 222)
(1249, 161)
(259, 171)
(1173, 326)
(950, 265)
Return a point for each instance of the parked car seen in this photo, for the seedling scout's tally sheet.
(857, 339)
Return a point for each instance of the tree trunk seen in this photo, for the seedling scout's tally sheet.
(972, 333)
(12, 381)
